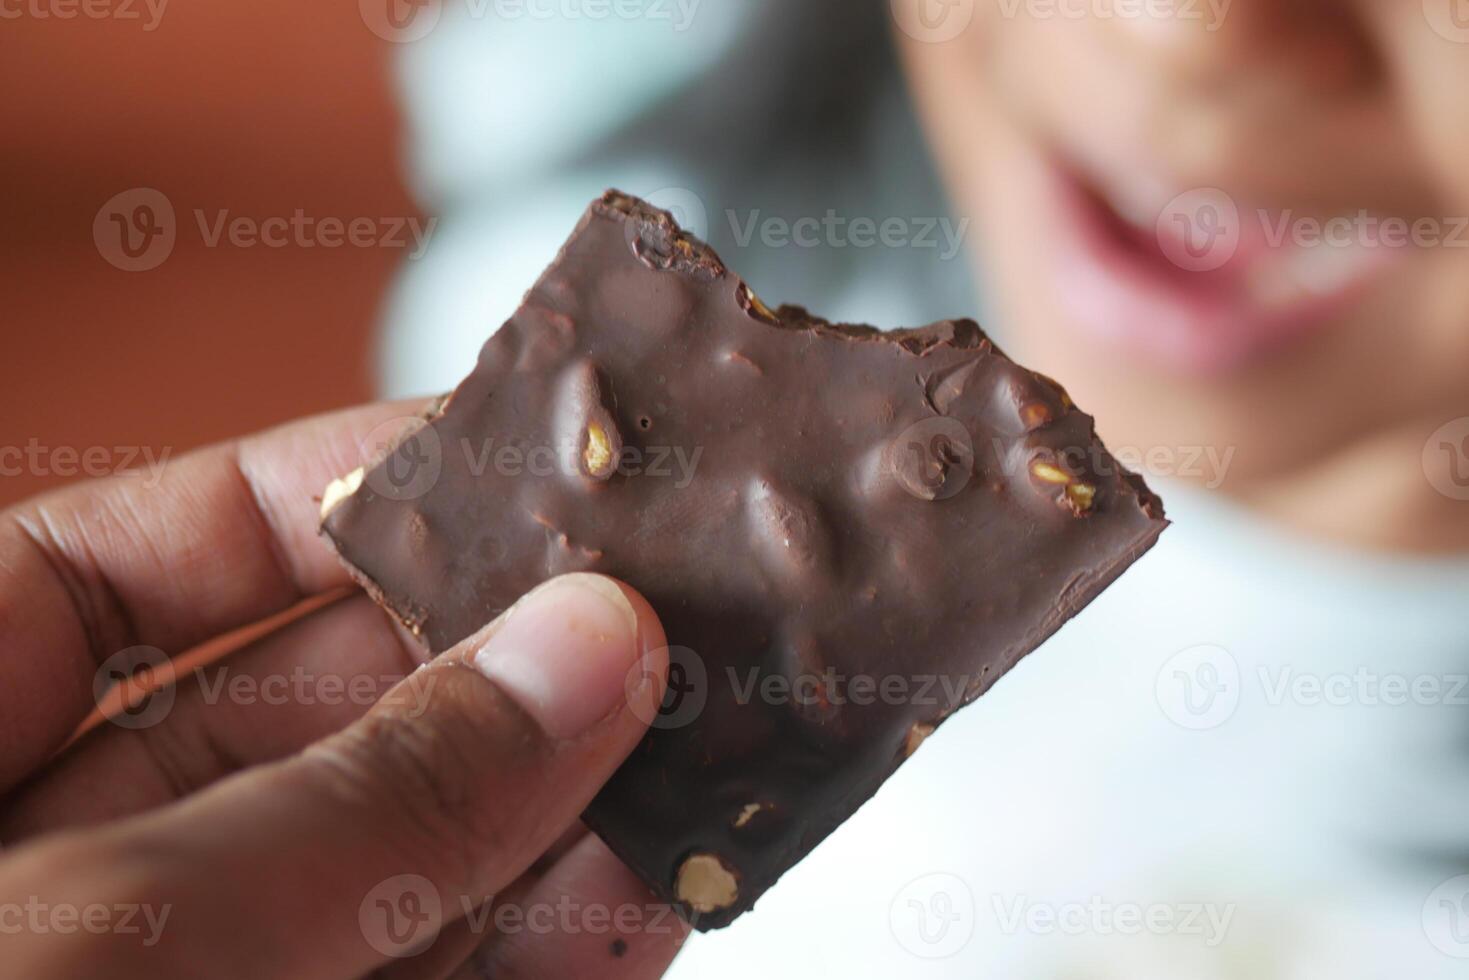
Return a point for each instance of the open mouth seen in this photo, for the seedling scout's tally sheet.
(1194, 279)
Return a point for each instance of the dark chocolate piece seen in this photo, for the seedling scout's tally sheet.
(848, 534)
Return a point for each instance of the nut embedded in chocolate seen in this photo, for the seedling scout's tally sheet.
(705, 885)
(747, 814)
(340, 489)
(597, 457)
(1081, 496)
(1049, 473)
(1076, 495)
(1035, 415)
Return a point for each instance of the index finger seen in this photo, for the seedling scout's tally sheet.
(226, 537)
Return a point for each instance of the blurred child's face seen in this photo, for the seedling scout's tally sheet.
(1239, 224)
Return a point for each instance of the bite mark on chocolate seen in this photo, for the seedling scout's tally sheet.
(753, 305)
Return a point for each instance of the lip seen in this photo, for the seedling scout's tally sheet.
(1160, 294)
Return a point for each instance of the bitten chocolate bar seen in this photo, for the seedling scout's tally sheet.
(849, 534)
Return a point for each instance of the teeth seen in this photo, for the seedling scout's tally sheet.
(1279, 277)
(1135, 196)
(1285, 275)
(1290, 274)
(1325, 269)
(1138, 200)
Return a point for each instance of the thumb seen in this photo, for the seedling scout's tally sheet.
(442, 795)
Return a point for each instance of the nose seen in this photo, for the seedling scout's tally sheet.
(1263, 49)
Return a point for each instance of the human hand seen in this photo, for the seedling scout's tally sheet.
(432, 835)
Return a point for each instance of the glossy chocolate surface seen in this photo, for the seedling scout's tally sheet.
(848, 534)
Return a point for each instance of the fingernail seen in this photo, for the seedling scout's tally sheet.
(563, 652)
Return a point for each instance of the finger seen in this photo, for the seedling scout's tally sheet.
(459, 940)
(589, 916)
(270, 700)
(217, 539)
(559, 848)
(521, 726)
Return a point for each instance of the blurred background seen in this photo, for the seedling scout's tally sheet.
(1250, 758)
(468, 149)
(248, 110)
